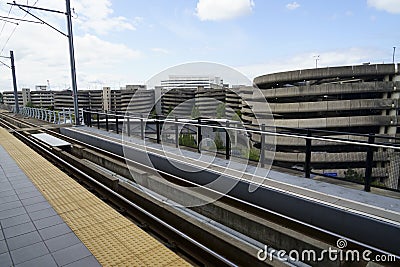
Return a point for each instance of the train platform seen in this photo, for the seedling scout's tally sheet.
(48, 219)
(374, 205)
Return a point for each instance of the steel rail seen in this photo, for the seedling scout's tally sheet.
(238, 202)
(217, 258)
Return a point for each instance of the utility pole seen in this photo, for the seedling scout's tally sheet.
(14, 82)
(394, 51)
(70, 42)
(72, 61)
(14, 79)
(316, 61)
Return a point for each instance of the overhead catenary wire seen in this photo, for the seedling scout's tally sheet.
(2, 29)
(1, 62)
(18, 19)
(12, 22)
(70, 42)
(36, 17)
(8, 39)
(13, 31)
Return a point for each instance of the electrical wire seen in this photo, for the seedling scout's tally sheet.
(13, 31)
(9, 11)
(1, 62)
(12, 22)
(8, 39)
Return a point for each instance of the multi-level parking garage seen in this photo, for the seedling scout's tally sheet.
(360, 99)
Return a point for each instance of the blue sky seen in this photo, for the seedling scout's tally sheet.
(122, 42)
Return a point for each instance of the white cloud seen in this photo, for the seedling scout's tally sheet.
(41, 53)
(223, 9)
(97, 15)
(293, 6)
(91, 50)
(391, 6)
(90, 15)
(160, 50)
(349, 13)
(351, 56)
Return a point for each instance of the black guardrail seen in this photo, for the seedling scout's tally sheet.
(362, 156)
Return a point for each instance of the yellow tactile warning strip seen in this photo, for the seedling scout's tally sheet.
(112, 239)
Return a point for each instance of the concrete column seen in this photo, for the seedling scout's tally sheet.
(69, 115)
(393, 112)
(65, 116)
(383, 113)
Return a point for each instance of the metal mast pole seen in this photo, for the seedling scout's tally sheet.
(72, 61)
(14, 82)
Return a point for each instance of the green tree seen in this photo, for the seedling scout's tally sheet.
(29, 105)
(353, 175)
(1, 98)
(187, 139)
(237, 116)
(153, 113)
(195, 112)
(218, 141)
(254, 154)
(169, 110)
(220, 111)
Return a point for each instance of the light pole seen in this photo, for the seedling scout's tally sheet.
(316, 61)
(394, 52)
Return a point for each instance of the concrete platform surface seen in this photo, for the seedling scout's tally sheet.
(48, 219)
(32, 233)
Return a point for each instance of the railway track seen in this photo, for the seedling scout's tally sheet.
(190, 241)
(178, 241)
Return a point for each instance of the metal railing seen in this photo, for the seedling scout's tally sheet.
(66, 116)
(367, 159)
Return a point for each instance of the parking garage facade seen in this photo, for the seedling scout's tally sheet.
(340, 102)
